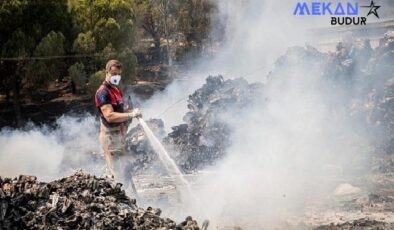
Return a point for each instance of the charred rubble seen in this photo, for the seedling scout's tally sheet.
(371, 84)
(363, 73)
(382, 91)
(137, 145)
(357, 224)
(80, 201)
(205, 135)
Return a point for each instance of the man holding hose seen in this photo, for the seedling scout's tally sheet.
(113, 118)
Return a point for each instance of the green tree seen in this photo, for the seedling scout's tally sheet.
(51, 48)
(95, 80)
(78, 75)
(109, 21)
(129, 62)
(107, 30)
(18, 45)
(174, 21)
(195, 21)
(23, 24)
(85, 43)
(150, 19)
(158, 19)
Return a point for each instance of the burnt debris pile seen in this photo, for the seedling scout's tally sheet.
(358, 224)
(381, 95)
(360, 75)
(355, 77)
(80, 201)
(138, 146)
(204, 136)
(378, 90)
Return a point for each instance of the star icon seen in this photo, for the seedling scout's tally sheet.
(373, 9)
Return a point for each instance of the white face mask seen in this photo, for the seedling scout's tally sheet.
(115, 79)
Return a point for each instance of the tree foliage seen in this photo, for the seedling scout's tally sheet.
(85, 43)
(95, 80)
(176, 21)
(23, 25)
(195, 20)
(36, 35)
(78, 75)
(42, 71)
(106, 30)
(149, 17)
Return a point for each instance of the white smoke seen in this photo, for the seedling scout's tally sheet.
(50, 152)
(30, 152)
(284, 151)
(289, 150)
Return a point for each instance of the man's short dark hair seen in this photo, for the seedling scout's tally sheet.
(111, 63)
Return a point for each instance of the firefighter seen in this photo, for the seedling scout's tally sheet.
(114, 117)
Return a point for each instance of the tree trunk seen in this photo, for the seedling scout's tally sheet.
(16, 100)
(156, 39)
(7, 95)
(157, 52)
(165, 6)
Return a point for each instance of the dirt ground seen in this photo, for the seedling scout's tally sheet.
(364, 203)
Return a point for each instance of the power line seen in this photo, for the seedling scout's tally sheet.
(183, 98)
(253, 71)
(175, 103)
(53, 57)
(101, 55)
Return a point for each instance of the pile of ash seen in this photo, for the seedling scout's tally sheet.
(80, 201)
(205, 135)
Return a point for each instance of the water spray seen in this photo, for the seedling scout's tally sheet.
(164, 157)
(159, 148)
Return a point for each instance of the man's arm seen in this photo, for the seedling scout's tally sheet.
(114, 117)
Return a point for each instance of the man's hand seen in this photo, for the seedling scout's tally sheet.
(135, 113)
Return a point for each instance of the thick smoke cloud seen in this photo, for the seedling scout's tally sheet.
(30, 152)
(50, 152)
(289, 150)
